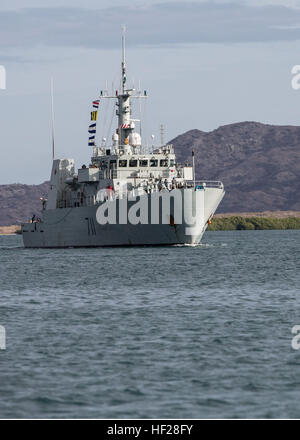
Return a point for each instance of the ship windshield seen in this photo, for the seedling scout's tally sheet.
(133, 163)
(143, 163)
(164, 162)
(153, 162)
(122, 163)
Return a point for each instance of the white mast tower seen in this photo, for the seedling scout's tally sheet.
(125, 126)
(126, 137)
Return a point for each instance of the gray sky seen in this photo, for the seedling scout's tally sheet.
(204, 64)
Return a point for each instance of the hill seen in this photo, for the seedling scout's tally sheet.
(258, 163)
(19, 202)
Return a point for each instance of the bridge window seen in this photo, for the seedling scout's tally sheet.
(122, 163)
(143, 163)
(153, 162)
(172, 162)
(164, 162)
(133, 163)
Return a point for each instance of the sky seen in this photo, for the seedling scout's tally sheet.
(203, 63)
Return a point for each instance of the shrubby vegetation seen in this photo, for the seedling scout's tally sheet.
(234, 223)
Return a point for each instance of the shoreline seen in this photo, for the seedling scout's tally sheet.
(228, 222)
(10, 230)
(261, 214)
(250, 222)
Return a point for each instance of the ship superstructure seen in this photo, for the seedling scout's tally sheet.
(127, 195)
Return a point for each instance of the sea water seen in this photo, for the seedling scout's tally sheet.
(152, 332)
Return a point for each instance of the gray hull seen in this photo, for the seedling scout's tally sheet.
(78, 227)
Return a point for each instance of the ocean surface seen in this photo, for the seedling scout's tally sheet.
(177, 332)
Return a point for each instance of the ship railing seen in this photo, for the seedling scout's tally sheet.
(135, 192)
(205, 183)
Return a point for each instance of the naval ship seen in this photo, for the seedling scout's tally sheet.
(128, 195)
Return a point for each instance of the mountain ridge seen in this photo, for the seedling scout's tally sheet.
(259, 164)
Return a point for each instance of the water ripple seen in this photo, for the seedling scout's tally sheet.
(178, 332)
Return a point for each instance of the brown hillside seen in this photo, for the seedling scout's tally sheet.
(259, 164)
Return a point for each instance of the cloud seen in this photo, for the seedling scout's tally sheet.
(157, 24)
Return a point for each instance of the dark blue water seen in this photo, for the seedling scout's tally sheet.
(179, 332)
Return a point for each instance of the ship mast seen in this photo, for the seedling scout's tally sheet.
(126, 125)
(124, 105)
(52, 119)
(123, 59)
